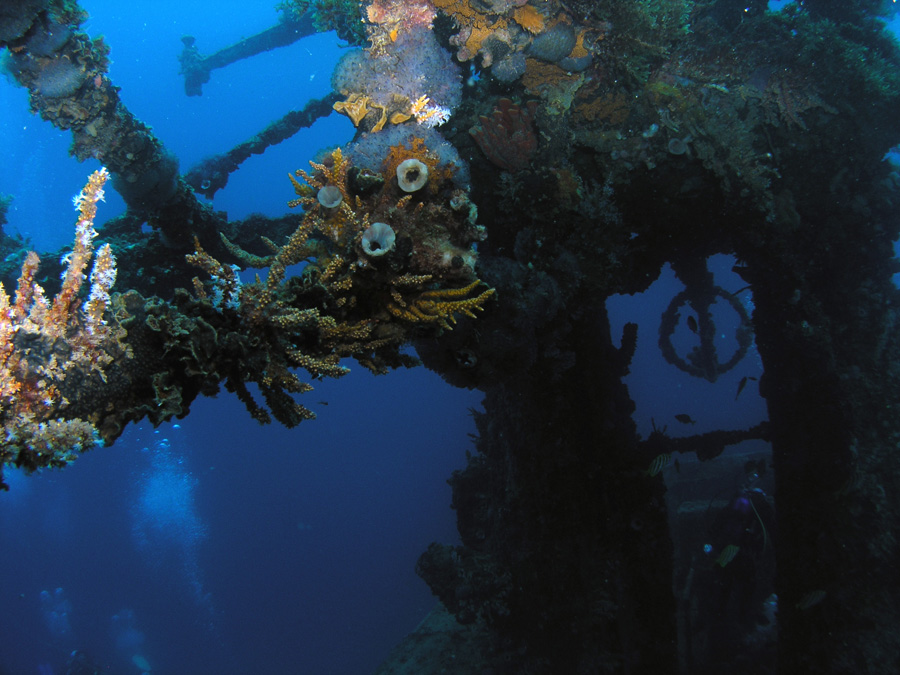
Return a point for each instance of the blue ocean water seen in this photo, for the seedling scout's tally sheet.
(216, 545)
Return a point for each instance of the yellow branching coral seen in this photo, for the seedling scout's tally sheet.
(342, 223)
(261, 315)
(43, 342)
(440, 235)
(439, 306)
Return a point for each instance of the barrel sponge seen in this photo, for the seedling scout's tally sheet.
(414, 66)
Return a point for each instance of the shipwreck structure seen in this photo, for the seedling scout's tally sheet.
(607, 138)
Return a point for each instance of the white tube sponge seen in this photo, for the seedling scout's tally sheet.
(329, 196)
(411, 175)
(378, 239)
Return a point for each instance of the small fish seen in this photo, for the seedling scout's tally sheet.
(692, 323)
(727, 555)
(742, 384)
(658, 464)
(811, 599)
(322, 402)
(684, 418)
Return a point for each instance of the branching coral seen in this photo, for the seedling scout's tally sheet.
(435, 233)
(440, 305)
(351, 300)
(50, 348)
(277, 328)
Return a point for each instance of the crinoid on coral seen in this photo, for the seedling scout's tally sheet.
(268, 333)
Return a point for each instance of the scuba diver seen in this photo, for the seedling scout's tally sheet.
(740, 581)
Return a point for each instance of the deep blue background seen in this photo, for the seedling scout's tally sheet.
(242, 548)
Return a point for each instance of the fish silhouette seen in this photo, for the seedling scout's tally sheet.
(742, 384)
